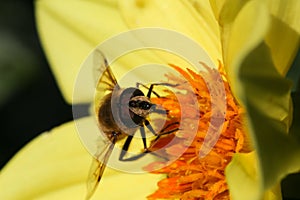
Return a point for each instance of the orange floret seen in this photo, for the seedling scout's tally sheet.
(190, 177)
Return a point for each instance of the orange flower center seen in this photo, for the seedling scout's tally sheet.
(191, 177)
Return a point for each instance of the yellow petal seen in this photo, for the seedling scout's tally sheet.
(216, 6)
(55, 166)
(262, 91)
(285, 23)
(114, 187)
(230, 12)
(241, 34)
(274, 193)
(284, 34)
(242, 171)
(53, 160)
(194, 20)
(69, 30)
(287, 12)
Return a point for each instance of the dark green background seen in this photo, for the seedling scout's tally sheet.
(30, 101)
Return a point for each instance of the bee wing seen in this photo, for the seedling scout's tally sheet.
(97, 169)
(105, 82)
(104, 78)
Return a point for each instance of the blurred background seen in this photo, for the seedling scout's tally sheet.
(30, 101)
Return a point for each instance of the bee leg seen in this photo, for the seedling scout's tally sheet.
(159, 111)
(154, 109)
(143, 134)
(169, 125)
(153, 84)
(150, 128)
(164, 132)
(125, 147)
(127, 144)
(141, 84)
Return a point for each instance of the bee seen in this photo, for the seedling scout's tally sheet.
(121, 113)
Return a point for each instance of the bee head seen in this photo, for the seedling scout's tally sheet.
(140, 105)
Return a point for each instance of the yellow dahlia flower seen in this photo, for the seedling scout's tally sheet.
(256, 42)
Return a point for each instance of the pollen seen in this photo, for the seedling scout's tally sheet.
(191, 177)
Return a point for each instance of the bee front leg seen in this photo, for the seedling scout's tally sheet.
(127, 144)
(150, 91)
(164, 131)
(141, 84)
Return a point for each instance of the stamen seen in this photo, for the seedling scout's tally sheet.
(191, 177)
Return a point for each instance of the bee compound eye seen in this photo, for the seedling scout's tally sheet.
(132, 104)
(145, 105)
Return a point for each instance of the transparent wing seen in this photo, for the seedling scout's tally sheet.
(97, 168)
(105, 82)
(104, 78)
